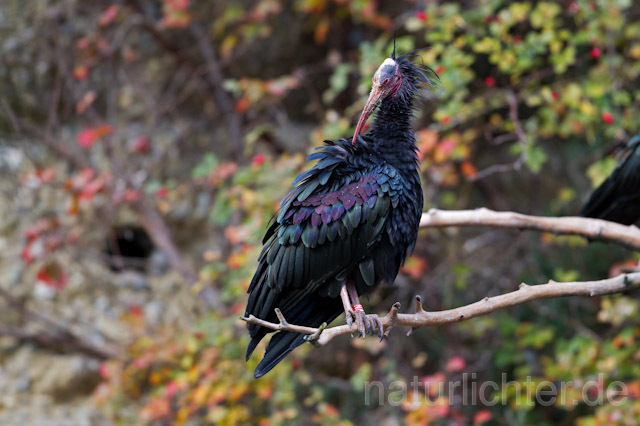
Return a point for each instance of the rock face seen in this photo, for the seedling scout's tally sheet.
(53, 385)
(40, 388)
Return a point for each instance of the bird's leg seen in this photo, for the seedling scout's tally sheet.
(346, 304)
(367, 324)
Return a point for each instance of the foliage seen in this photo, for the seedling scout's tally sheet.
(533, 98)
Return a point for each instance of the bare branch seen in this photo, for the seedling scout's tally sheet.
(628, 236)
(520, 136)
(421, 318)
(55, 336)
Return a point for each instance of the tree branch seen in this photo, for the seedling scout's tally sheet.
(421, 318)
(627, 236)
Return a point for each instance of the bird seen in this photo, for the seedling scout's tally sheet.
(349, 222)
(617, 199)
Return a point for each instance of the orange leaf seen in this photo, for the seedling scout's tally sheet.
(468, 169)
(80, 72)
(414, 267)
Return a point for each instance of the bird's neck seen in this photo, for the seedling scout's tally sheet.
(392, 131)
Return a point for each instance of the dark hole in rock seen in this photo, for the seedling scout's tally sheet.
(128, 247)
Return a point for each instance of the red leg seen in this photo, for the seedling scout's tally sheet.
(366, 323)
(346, 304)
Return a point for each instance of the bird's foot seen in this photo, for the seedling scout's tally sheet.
(369, 324)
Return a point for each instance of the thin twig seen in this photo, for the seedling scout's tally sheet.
(520, 135)
(215, 78)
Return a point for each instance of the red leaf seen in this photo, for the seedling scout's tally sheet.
(258, 160)
(481, 417)
(162, 192)
(468, 169)
(242, 104)
(414, 266)
(421, 15)
(53, 276)
(132, 195)
(86, 138)
(177, 4)
(46, 175)
(32, 232)
(103, 370)
(109, 15)
(171, 389)
(136, 311)
(26, 254)
(140, 145)
(86, 101)
(82, 43)
(456, 363)
(90, 190)
(103, 130)
(80, 72)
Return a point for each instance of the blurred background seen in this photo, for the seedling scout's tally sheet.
(144, 145)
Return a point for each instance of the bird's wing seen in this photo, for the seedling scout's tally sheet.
(325, 229)
(617, 198)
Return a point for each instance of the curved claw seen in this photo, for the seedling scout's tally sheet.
(350, 316)
(368, 324)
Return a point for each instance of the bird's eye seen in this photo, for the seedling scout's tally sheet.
(386, 81)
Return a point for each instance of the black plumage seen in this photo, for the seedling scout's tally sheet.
(352, 218)
(618, 198)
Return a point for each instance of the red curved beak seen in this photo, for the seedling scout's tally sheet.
(372, 103)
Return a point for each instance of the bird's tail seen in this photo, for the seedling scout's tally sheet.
(312, 312)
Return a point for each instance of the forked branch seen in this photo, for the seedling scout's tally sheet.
(628, 236)
(422, 318)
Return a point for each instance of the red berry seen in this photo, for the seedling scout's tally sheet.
(607, 117)
(489, 81)
(596, 52)
(421, 15)
(574, 6)
(446, 119)
(555, 96)
(439, 69)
